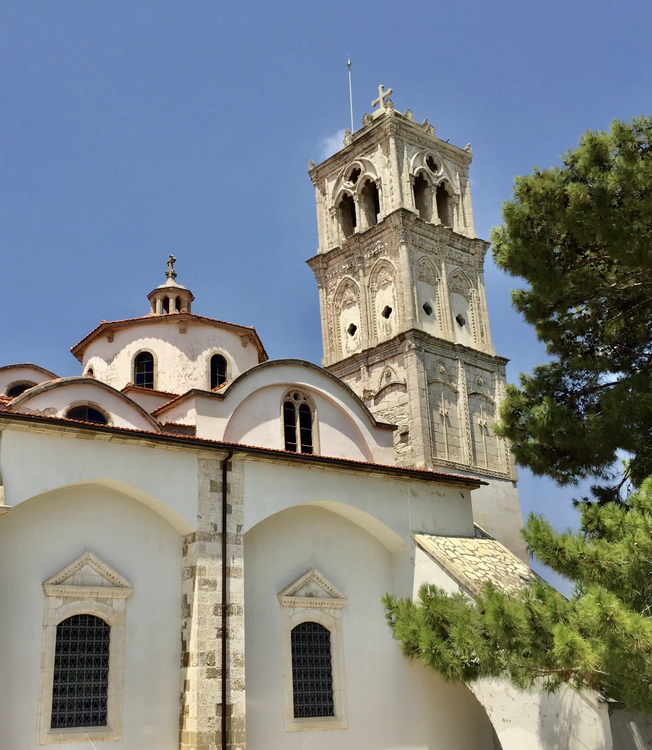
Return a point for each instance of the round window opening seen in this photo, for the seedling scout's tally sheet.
(461, 320)
(352, 329)
(387, 311)
(432, 164)
(427, 309)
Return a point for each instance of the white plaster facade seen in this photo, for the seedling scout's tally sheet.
(203, 526)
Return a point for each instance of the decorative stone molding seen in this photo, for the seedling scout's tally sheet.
(85, 586)
(312, 598)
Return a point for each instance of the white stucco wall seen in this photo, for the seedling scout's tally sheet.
(497, 509)
(40, 537)
(34, 463)
(181, 359)
(389, 509)
(391, 704)
(566, 720)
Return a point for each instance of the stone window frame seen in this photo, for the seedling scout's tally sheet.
(327, 611)
(106, 600)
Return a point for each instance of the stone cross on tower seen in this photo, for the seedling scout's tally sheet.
(382, 95)
(171, 273)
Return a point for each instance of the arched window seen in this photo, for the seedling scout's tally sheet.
(312, 673)
(423, 197)
(218, 370)
(87, 413)
(347, 215)
(298, 424)
(144, 370)
(17, 388)
(81, 673)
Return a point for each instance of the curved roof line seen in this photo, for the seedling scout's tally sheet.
(221, 394)
(81, 380)
(29, 365)
(78, 348)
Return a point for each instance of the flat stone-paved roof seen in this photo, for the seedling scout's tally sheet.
(473, 561)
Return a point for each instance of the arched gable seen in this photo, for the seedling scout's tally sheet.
(23, 374)
(248, 410)
(54, 398)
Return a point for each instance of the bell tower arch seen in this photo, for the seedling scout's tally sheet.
(400, 273)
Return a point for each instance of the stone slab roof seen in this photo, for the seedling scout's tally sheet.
(473, 561)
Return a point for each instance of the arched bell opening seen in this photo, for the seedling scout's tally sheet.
(444, 205)
(370, 203)
(348, 221)
(423, 197)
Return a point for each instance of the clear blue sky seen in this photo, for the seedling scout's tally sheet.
(131, 130)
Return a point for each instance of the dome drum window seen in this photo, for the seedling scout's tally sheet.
(218, 370)
(144, 370)
(298, 423)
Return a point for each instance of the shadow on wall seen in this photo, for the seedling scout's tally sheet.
(630, 731)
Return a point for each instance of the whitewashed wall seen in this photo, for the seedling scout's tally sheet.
(37, 539)
(391, 704)
(181, 359)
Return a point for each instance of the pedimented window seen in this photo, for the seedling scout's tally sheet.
(313, 657)
(82, 667)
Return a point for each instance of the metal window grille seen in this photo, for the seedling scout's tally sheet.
(144, 370)
(312, 677)
(81, 673)
(218, 370)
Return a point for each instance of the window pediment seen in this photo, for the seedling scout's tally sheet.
(312, 590)
(88, 577)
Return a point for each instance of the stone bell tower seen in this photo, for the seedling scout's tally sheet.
(403, 307)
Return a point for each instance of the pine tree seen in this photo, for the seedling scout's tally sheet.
(600, 638)
(580, 236)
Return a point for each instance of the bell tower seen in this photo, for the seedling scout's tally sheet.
(400, 273)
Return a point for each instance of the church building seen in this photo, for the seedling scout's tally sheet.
(195, 539)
